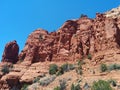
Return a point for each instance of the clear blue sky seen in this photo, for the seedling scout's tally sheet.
(18, 18)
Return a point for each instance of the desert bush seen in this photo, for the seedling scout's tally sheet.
(5, 69)
(112, 82)
(65, 67)
(71, 67)
(86, 86)
(57, 88)
(89, 56)
(80, 62)
(24, 87)
(101, 85)
(60, 71)
(62, 84)
(83, 15)
(47, 80)
(36, 79)
(75, 87)
(79, 69)
(114, 67)
(103, 67)
(53, 69)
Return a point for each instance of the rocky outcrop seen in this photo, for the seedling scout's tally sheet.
(114, 13)
(21, 74)
(74, 40)
(10, 53)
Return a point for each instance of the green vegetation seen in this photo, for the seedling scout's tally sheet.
(75, 87)
(83, 15)
(101, 85)
(24, 87)
(79, 71)
(112, 82)
(80, 62)
(111, 67)
(60, 71)
(62, 85)
(89, 56)
(86, 86)
(57, 88)
(36, 79)
(65, 67)
(5, 69)
(79, 67)
(53, 69)
(103, 67)
(114, 67)
(47, 80)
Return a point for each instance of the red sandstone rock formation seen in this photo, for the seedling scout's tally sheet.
(74, 40)
(10, 53)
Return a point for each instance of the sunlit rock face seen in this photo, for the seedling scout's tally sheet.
(75, 39)
(113, 13)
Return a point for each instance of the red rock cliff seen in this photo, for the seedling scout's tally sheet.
(75, 39)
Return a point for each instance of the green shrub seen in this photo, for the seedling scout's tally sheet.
(112, 82)
(57, 88)
(5, 69)
(36, 79)
(60, 71)
(80, 62)
(89, 56)
(114, 67)
(101, 85)
(53, 69)
(79, 69)
(103, 67)
(86, 86)
(47, 80)
(24, 87)
(62, 84)
(75, 87)
(71, 67)
(83, 15)
(65, 67)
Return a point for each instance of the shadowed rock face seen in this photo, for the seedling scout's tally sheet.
(10, 53)
(74, 40)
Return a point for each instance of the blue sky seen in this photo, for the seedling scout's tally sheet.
(18, 18)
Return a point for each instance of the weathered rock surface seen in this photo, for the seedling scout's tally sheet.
(114, 13)
(10, 53)
(21, 74)
(74, 40)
